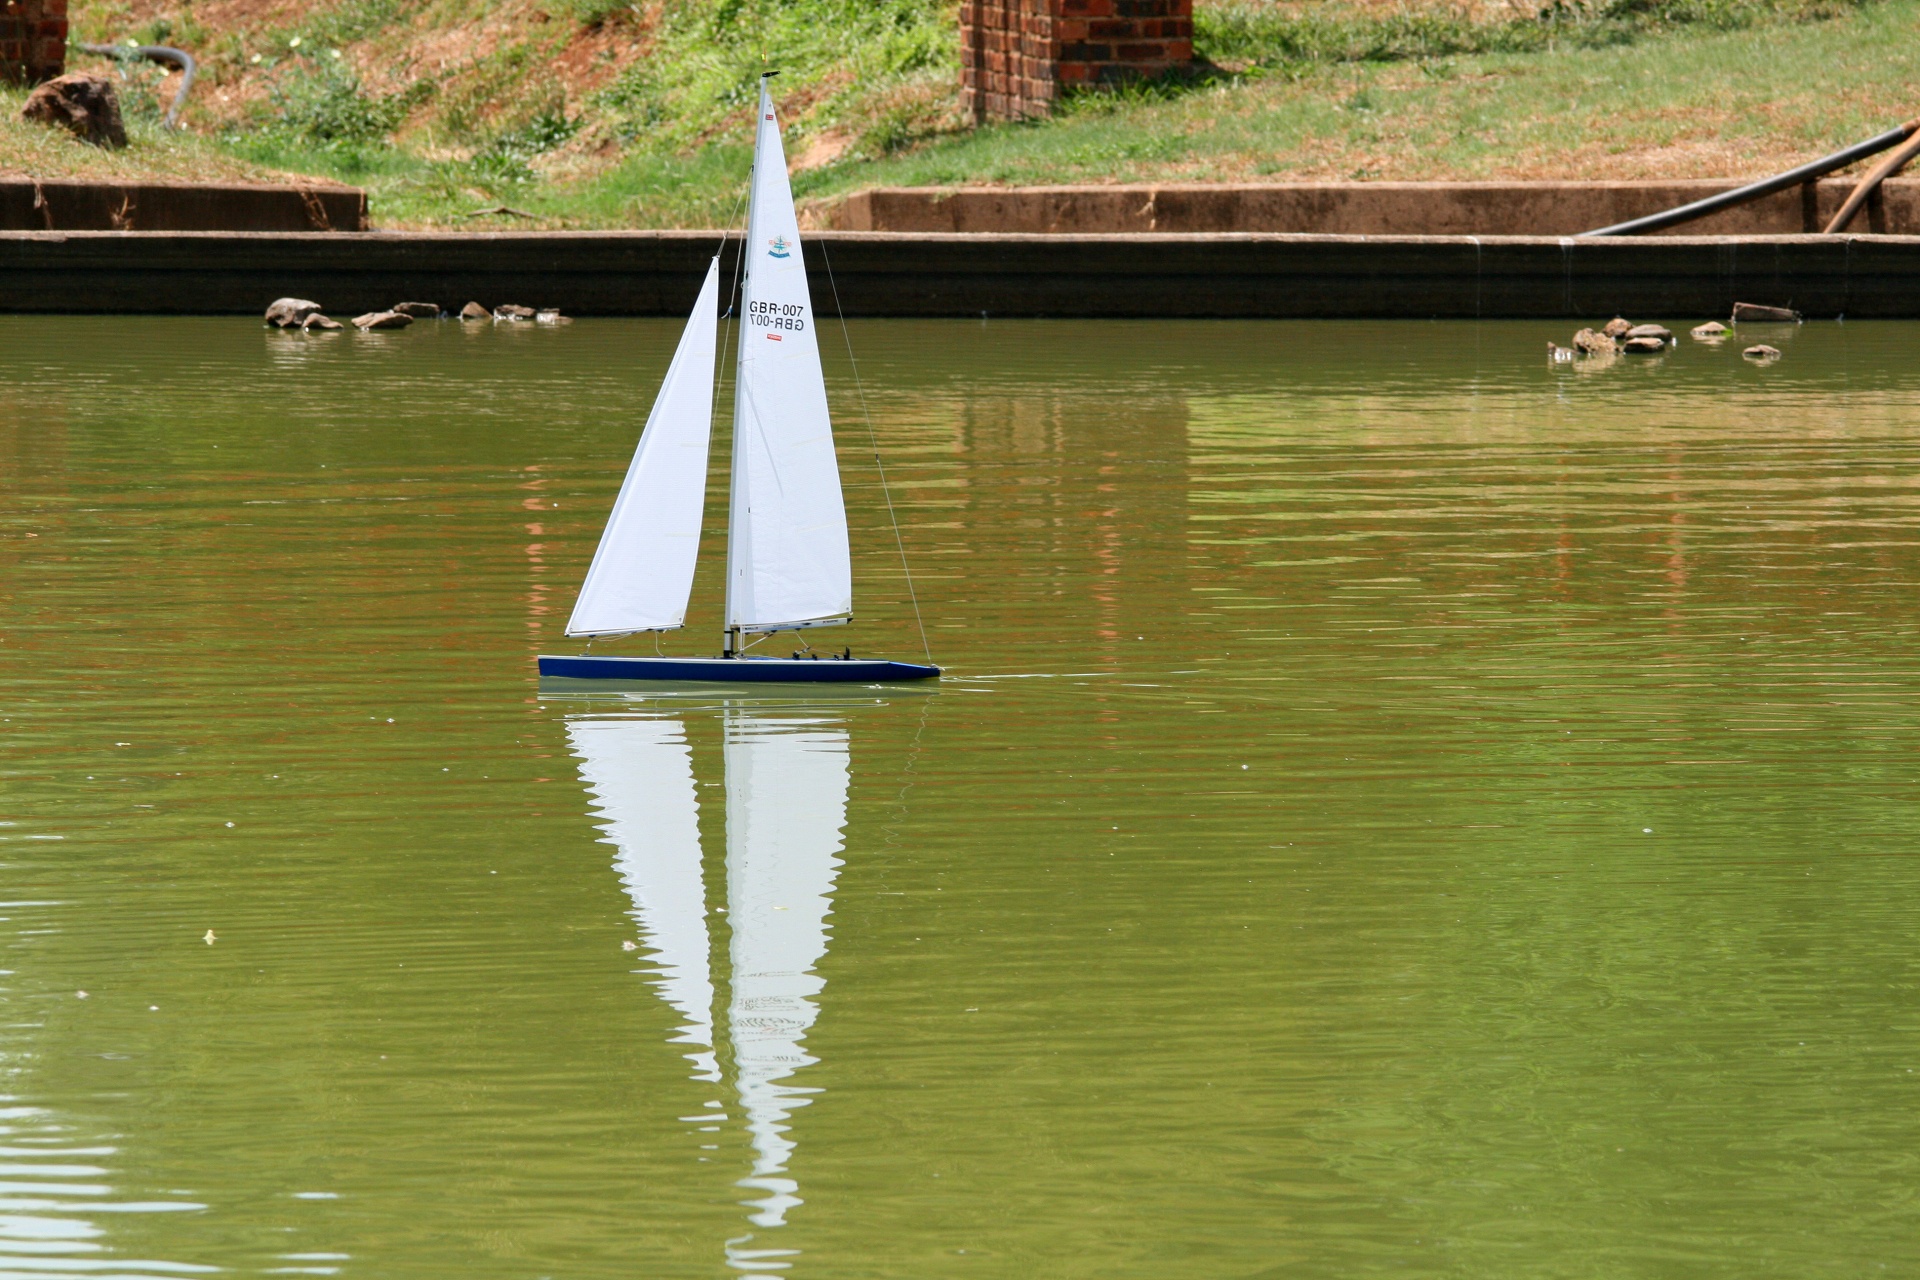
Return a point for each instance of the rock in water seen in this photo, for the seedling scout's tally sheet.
(508, 311)
(551, 315)
(1659, 331)
(318, 321)
(1644, 346)
(382, 320)
(290, 313)
(83, 105)
(1762, 353)
(418, 310)
(1711, 331)
(1755, 312)
(474, 311)
(1617, 328)
(1593, 342)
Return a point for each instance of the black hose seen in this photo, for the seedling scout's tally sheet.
(1764, 187)
(154, 53)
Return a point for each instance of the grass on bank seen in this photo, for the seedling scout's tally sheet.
(600, 114)
(153, 153)
(1687, 104)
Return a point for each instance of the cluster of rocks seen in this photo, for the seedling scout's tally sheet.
(1623, 337)
(299, 313)
(1617, 336)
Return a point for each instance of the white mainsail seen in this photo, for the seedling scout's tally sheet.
(641, 773)
(787, 557)
(786, 812)
(642, 572)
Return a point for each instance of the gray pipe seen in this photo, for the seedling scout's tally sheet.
(154, 53)
(1764, 187)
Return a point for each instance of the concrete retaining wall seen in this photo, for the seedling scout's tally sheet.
(658, 273)
(1362, 208)
(27, 205)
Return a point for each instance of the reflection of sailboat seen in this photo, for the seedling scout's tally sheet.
(786, 789)
(788, 563)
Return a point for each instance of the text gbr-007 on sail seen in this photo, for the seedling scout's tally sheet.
(788, 563)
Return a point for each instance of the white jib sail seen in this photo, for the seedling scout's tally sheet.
(787, 559)
(642, 572)
(641, 772)
(786, 812)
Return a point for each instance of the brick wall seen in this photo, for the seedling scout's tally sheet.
(33, 40)
(1018, 56)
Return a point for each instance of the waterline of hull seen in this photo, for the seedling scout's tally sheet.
(736, 670)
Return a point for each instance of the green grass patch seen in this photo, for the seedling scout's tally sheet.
(1695, 102)
(844, 63)
(1246, 36)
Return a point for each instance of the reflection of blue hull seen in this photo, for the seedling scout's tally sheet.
(735, 670)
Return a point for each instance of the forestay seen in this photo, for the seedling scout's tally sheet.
(787, 558)
(642, 572)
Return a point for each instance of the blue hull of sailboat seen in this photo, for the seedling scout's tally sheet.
(736, 670)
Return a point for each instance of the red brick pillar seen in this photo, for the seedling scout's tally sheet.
(33, 40)
(1018, 56)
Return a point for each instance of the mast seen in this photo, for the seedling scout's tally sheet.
(732, 645)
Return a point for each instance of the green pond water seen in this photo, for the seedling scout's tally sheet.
(1397, 808)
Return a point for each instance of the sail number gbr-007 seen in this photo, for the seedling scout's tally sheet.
(778, 315)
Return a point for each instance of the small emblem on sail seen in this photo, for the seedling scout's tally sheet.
(779, 247)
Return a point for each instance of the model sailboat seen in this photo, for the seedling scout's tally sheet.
(788, 565)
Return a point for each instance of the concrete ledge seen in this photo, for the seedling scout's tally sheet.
(29, 205)
(1149, 276)
(1361, 208)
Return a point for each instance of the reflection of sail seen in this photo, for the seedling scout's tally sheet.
(641, 772)
(786, 808)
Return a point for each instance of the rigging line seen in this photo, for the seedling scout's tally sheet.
(726, 228)
(740, 259)
(873, 439)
